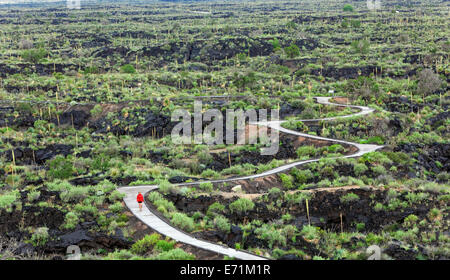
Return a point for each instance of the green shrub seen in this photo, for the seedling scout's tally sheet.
(153, 196)
(207, 187)
(348, 8)
(165, 187)
(350, 197)
(40, 237)
(289, 231)
(33, 195)
(241, 205)
(270, 235)
(416, 198)
(410, 221)
(379, 170)
(74, 194)
(6, 200)
(215, 209)
(274, 192)
(116, 196)
(120, 255)
(116, 207)
(183, 222)
(292, 51)
(164, 245)
(60, 168)
(306, 152)
(222, 223)
(310, 232)
(164, 203)
(286, 180)
(335, 148)
(71, 221)
(34, 55)
(360, 168)
(301, 176)
(378, 207)
(91, 209)
(142, 246)
(128, 68)
(360, 46)
(97, 110)
(175, 254)
(360, 226)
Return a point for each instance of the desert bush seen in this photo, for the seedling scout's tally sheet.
(142, 246)
(175, 254)
(60, 168)
(310, 232)
(379, 170)
(306, 151)
(209, 173)
(74, 194)
(116, 207)
(6, 200)
(97, 110)
(410, 221)
(116, 196)
(270, 235)
(297, 198)
(292, 51)
(289, 231)
(165, 204)
(286, 180)
(91, 209)
(360, 168)
(360, 46)
(241, 205)
(153, 196)
(34, 55)
(40, 237)
(207, 187)
(350, 197)
(222, 223)
(348, 8)
(128, 68)
(183, 222)
(33, 195)
(164, 245)
(428, 82)
(301, 176)
(274, 192)
(416, 197)
(165, 187)
(71, 221)
(215, 209)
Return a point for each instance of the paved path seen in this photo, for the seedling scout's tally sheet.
(159, 225)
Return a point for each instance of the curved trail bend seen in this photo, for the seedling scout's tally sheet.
(159, 225)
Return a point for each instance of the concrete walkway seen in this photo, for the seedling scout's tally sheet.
(154, 222)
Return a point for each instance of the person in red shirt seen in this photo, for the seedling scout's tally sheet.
(140, 199)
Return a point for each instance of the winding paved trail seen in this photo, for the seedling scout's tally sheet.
(159, 225)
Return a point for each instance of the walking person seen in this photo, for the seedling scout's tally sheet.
(140, 200)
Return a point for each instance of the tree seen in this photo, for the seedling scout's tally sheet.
(348, 8)
(292, 51)
(428, 82)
